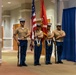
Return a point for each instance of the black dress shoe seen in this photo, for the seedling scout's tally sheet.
(19, 65)
(50, 63)
(60, 62)
(56, 62)
(25, 65)
(47, 63)
(37, 64)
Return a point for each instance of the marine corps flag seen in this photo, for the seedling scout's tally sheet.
(43, 17)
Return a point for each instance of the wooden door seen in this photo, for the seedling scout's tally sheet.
(15, 47)
(1, 31)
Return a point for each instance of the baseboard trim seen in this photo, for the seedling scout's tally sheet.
(7, 48)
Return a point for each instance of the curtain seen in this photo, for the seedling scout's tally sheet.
(69, 26)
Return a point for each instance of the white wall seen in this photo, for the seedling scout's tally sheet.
(72, 3)
(69, 3)
(15, 15)
(7, 27)
(50, 10)
(7, 38)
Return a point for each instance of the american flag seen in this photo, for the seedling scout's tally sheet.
(33, 18)
(33, 22)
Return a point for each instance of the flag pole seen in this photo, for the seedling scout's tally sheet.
(44, 24)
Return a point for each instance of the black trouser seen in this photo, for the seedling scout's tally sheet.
(37, 52)
(22, 48)
(48, 52)
(59, 51)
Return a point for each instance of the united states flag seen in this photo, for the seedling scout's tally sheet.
(33, 22)
(33, 18)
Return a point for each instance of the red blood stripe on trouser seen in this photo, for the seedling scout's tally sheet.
(19, 55)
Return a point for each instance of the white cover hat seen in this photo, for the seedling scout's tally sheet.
(22, 20)
(58, 24)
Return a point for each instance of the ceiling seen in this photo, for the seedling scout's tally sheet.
(17, 3)
(14, 4)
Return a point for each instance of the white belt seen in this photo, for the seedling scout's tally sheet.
(21, 39)
(59, 40)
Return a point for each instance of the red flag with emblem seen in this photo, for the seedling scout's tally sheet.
(43, 17)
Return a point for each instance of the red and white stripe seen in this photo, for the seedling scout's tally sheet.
(34, 25)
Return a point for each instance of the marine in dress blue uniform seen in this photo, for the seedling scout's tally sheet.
(22, 42)
(59, 35)
(38, 45)
(49, 45)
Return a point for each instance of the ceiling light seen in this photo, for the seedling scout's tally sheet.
(9, 2)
